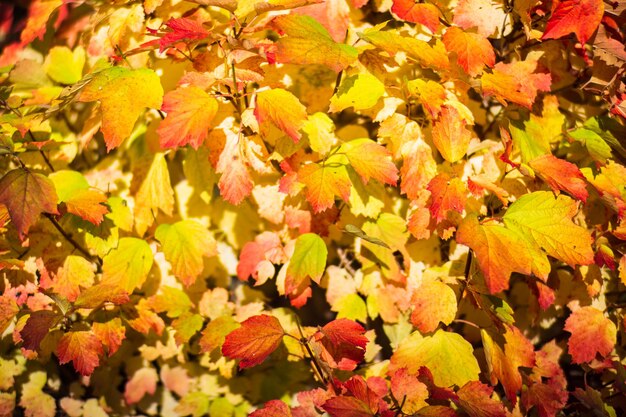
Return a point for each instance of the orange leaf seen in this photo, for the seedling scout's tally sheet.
(499, 251)
(473, 51)
(475, 399)
(516, 82)
(111, 334)
(433, 302)
(8, 310)
(343, 343)
(592, 333)
(254, 341)
(235, 184)
(447, 194)
(323, 184)
(190, 111)
(26, 195)
(505, 354)
(450, 135)
(408, 391)
(561, 175)
(83, 348)
(39, 12)
(281, 108)
(88, 205)
(371, 160)
(423, 13)
(580, 17)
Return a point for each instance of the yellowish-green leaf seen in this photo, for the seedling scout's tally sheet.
(308, 42)
(308, 260)
(155, 193)
(185, 244)
(360, 91)
(447, 355)
(64, 65)
(127, 266)
(35, 401)
(67, 183)
(546, 221)
(351, 307)
(123, 96)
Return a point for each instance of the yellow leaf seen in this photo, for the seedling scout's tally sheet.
(155, 193)
(127, 266)
(123, 96)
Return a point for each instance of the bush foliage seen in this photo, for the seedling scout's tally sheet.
(312, 207)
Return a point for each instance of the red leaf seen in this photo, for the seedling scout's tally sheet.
(274, 408)
(343, 343)
(580, 17)
(423, 13)
(548, 398)
(561, 175)
(26, 195)
(83, 348)
(37, 327)
(183, 29)
(592, 333)
(347, 407)
(473, 51)
(475, 399)
(254, 341)
(516, 82)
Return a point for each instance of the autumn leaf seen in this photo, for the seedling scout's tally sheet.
(561, 175)
(343, 344)
(254, 341)
(39, 12)
(26, 195)
(475, 399)
(308, 42)
(516, 82)
(423, 13)
(214, 334)
(447, 194)
(371, 160)
(450, 135)
(95, 296)
(283, 110)
(505, 354)
(144, 381)
(181, 29)
(123, 96)
(235, 183)
(111, 334)
(486, 16)
(75, 274)
(499, 252)
(361, 91)
(73, 189)
(274, 408)
(592, 334)
(64, 65)
(127, 266)
(36, 402)
(308, 261)
(8, 310)
(323, 183)
(155, 193)
(580, 17)
(433, 302)
(408, 391)
(83, 348)
(448, 356)
(37, 326)
(185, 244)
(473, 51)
(546, 221)
(342, 406)
(190, 111)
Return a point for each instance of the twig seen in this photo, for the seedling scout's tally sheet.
(71, 240)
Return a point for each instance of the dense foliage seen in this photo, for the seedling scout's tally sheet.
(299, 207)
